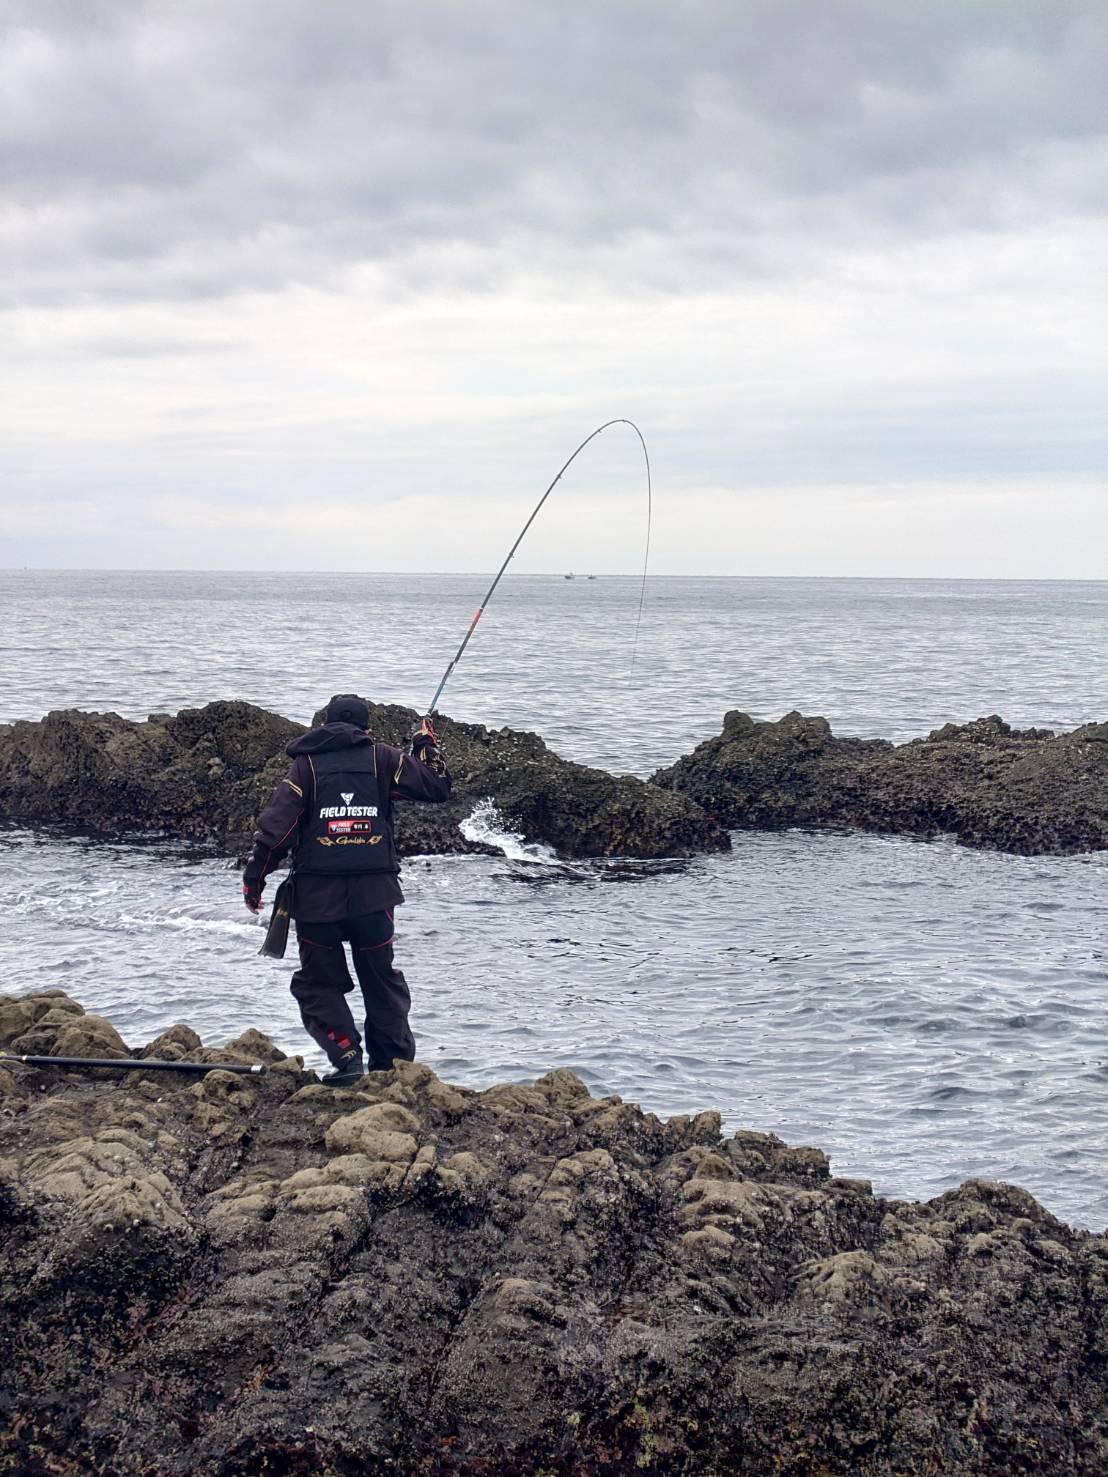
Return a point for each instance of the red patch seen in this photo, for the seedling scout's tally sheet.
(349, 828)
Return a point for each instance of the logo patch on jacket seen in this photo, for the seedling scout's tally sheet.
(349, 833)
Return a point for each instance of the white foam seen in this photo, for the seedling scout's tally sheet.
(487, 825)
(188, 924)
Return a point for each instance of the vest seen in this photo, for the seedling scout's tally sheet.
(348, 829)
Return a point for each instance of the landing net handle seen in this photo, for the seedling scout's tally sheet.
(133, 1064)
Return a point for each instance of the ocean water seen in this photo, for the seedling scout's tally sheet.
(921, 1011)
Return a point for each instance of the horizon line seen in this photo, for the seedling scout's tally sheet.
(585, 575)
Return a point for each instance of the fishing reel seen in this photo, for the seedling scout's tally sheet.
(424, 740)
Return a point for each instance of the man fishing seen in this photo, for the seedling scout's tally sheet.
(334, 806)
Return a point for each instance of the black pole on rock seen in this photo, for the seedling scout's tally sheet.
(134, 1064)
(619, 421)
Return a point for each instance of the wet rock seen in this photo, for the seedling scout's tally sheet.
(207, 772)
(385, 1132)
(579, 811)
(255, 1046)
(173, 1044)
(418, 1278)
(18, 1013)
(49, 1023)
(118, 1226)
(98, 772)
(15, 1203)
(1028, 791)
(15, 1018)
(89, 1035)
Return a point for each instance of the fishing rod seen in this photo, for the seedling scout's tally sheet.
(134, 1064)
(619, 421)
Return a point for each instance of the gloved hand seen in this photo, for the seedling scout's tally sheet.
(252, 895)
(424, 741)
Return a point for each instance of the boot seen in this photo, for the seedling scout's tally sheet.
(349, 1069)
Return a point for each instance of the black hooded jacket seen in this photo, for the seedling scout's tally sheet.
(328, 899)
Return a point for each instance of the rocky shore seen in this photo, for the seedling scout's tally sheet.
(262, 1275)
(1027, 791)
(205, 773)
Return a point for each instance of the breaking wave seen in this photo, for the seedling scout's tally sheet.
(486, 825)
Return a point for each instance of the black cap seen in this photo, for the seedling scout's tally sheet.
(346, 708)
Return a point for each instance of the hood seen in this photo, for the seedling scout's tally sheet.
(330, 736)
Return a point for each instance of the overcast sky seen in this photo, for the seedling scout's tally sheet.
(324, 283)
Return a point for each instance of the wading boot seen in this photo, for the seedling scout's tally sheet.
(349, 1070)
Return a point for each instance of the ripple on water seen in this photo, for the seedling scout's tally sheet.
(950, 1034)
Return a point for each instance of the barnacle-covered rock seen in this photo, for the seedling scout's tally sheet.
(411, 1277)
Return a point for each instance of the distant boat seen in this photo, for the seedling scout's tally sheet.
(569, 576)
(591, 576)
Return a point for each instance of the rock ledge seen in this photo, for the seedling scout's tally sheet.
(205, 774)
(237, 1276)
(1027, 791)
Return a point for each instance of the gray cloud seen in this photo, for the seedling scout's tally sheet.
(158, 150)
(844, 259)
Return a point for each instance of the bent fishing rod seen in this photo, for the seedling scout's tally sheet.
(619, 421)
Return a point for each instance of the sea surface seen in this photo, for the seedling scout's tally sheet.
(921, 1011)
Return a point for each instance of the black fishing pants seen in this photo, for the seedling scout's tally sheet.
(322, 983)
